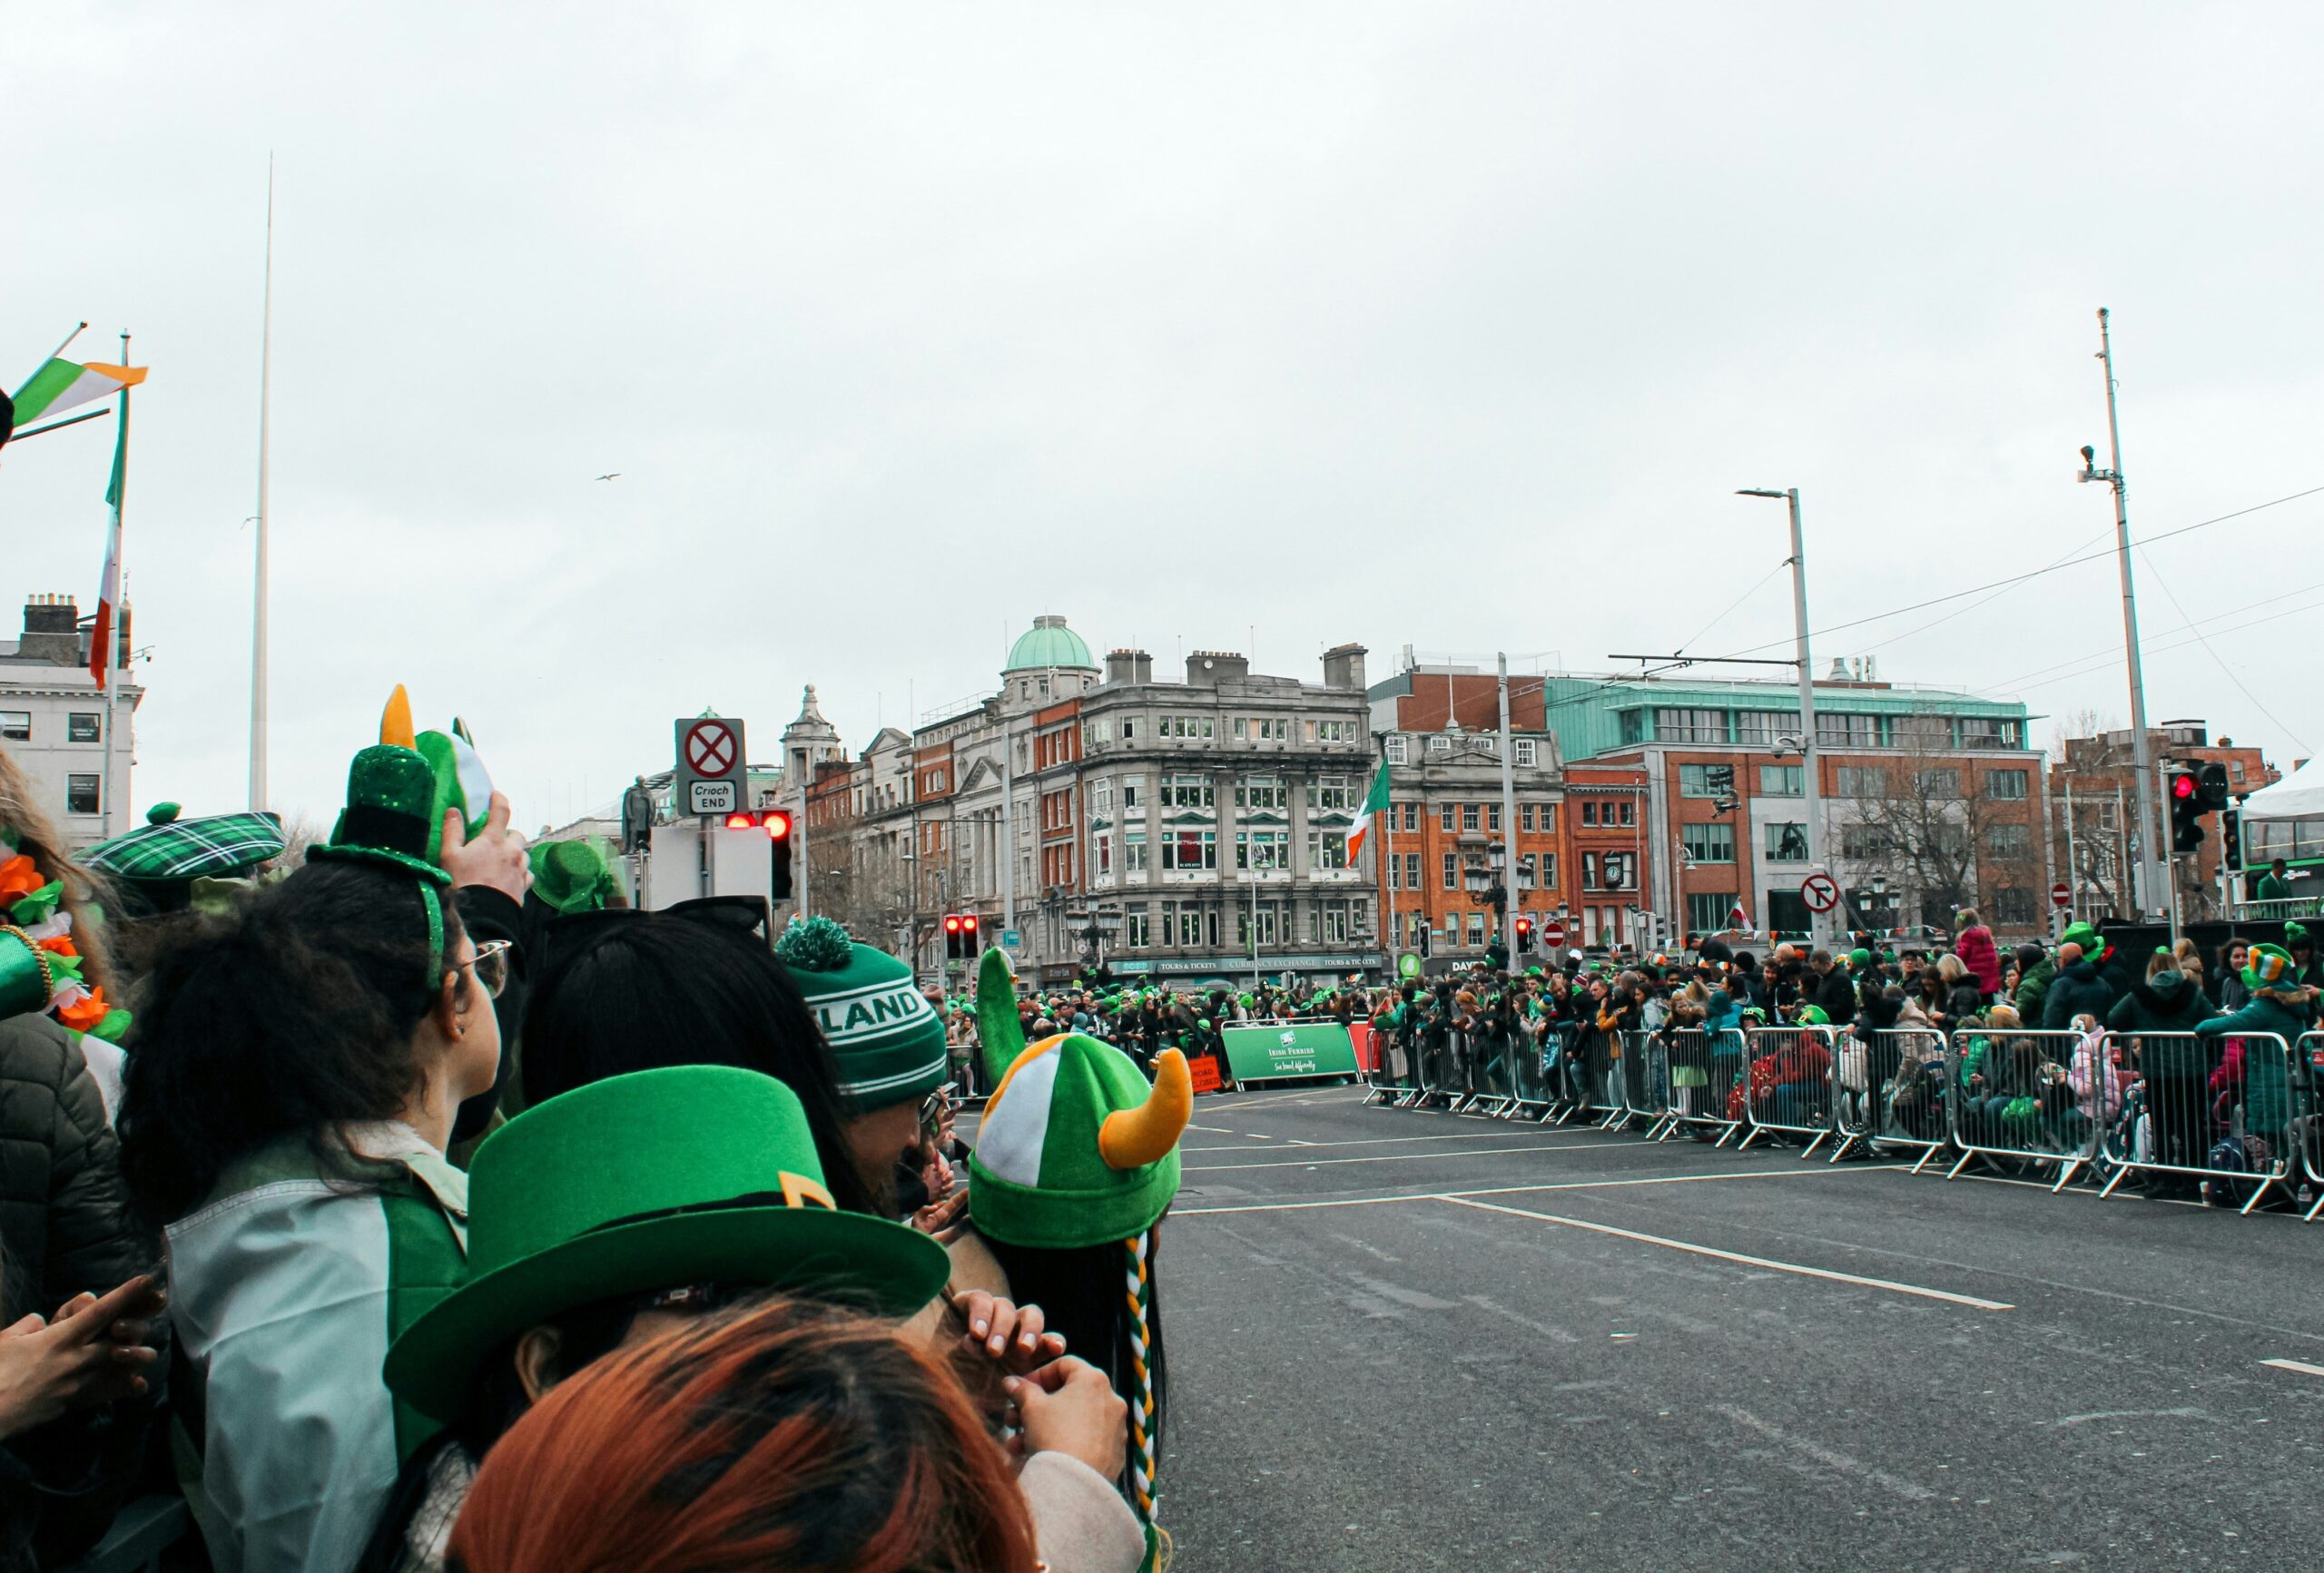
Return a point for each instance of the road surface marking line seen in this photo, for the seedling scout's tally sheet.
(1503, 1135)
(1381, 1159)
(1886, 1285)
(2301, 1366)
(1508, 1190)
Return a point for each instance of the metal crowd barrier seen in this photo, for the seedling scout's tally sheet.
(2013, 1102)
(1891, 1093)
(1703, 1067)
(2310, 1139)
(1787, 1084)
(1639, 1083)
(2219, 1111)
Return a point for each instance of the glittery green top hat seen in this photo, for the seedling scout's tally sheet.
(389, 820)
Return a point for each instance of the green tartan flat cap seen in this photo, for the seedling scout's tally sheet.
(216, 845)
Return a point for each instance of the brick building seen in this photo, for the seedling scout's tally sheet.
(2094, 809)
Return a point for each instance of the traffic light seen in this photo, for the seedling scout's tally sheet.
(2210, 786)
(951, 936)
(959, 936)
(2186, 812)
(778, 830)
(969, 951)
(1524, 934)
(2231, 838)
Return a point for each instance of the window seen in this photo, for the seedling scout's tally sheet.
(1396, 748)
(1331, 794)
(80, 726)
(2009, 904)
(1265, 915)
(1102, 848)
(81, 795)
(1690, 725)
(16, 725)
(1787, 844)
(1837, 730)
(1411, 817)
(1451, 873)
(1101, 795)
(1492, 816)
(1988, 732)
(1183, 850)
(1136, 929)
(1335, 924)
(1590, 812)
(1468, 816)
(1268, 849)
(1189, 925)
(1937, 783)
(1863, 780)
(1708, 843)
(2008, 785)
(1444, 817)
(1525, 816)
(1762, 727)
(1477, 929)
(1860, 843)
(1589, 871)
(1633, 726)
(1261, 791)
(2234, 772)
(1192, 727)
(1549, 870)
(1336, 731)
(1262, 729)
(1439, 744)
(2010, 839)
(1395, 874)
(1782, 781)
(1129, 794)
(1628, 808)
(1706, 780)
(1094, 732)
(1412, 870)
(1525, 871)
(1326, 850)
(1526, 748)
(1310, 731)
(1707, 910)
(1186, 791)
(1129, 729)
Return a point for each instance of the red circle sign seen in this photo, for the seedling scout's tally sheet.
(1820, 891)
(1553, 932)
(710, 748)
(2060, 896)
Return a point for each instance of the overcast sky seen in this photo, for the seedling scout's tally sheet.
(1455, 325)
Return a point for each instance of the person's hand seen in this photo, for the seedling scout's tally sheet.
(937, 1176)
(1015, 1335)
(1069, 1407)
(494, 860)
(944, 1220)
(92, 1353)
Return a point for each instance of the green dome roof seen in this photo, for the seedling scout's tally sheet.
(1049, 642)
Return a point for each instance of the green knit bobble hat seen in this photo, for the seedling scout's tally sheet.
(1075, 1149)
(888, 1040)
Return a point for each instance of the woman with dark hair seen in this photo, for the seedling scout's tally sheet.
(294, 1075)
(793, 1436)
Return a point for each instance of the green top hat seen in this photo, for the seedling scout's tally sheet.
(2081, 934)
(888, 1040)
(1075, 1149)
(571, 876)
(660, 1179)
(2270, 967)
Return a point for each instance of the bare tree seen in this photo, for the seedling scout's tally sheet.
(1946, 839)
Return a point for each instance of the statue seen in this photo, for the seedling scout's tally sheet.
(637, 817)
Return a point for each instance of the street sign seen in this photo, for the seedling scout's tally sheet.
(1552, 933)
(1408, 965)
(1012, 939)
(2061, 895)
(1820, 891)
(712, 766)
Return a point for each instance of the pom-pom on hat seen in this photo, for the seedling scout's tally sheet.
(888, 1040)
(1075, 1149)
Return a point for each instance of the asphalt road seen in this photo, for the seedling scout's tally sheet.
(1407, 1340)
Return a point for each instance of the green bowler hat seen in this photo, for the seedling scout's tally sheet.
(660, 1179)
(571, 876)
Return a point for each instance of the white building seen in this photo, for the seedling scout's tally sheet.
(53, 722)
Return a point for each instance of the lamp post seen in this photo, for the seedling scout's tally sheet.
(1809, 767)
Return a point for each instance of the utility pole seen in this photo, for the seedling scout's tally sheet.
(2150, 865)
(1508, 828)
(1810, 771)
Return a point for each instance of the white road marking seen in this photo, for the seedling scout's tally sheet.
(2301, 1366)
(1502, 1134)
(1381, 1159)
(1829, 1458)
(1792, 1173)
(1887, 1285)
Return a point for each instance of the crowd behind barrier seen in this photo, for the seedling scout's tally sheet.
(2235, 1121)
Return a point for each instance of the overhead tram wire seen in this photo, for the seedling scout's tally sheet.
(2102, 663)
(2111, 651)
(2225, 671)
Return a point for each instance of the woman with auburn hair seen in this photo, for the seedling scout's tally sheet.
(793, 1435)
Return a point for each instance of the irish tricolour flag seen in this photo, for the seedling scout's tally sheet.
(60, 385)
(1375, 802)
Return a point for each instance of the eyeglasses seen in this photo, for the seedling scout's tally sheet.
(491, 964)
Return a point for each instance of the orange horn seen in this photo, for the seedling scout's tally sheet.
(395, 722)
(1133, 1138)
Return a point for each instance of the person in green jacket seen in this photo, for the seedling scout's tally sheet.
(2273, 885)
(2035, 969)
(2281, 1009)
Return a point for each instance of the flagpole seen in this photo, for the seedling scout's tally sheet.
(258, 585)
(112, 634)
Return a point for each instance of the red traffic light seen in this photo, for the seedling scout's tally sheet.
(778, 824)
(2182, 786)
(740, 821)
(969, 924)
(952, 922)
(1524, 925)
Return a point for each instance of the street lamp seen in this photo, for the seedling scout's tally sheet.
(1810, 768)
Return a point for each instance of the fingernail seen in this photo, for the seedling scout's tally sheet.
(979, 1327)
(999, 1344)
(1027, 1340)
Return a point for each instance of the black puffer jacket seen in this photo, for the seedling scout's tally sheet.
(65, 1227)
